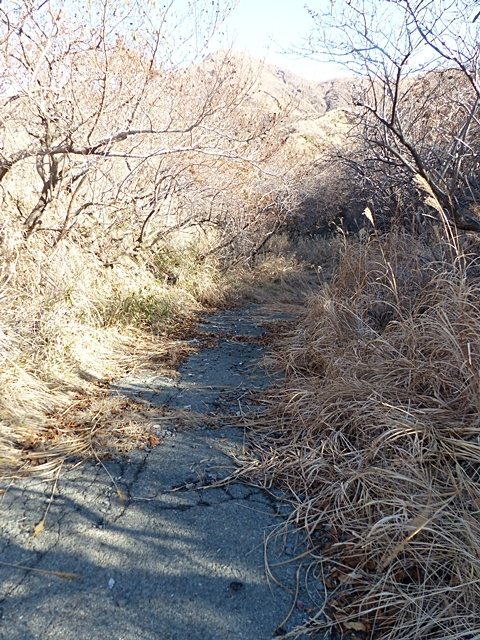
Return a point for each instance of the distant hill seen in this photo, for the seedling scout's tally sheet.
(275, 83)
(313, 99)
(318, 111)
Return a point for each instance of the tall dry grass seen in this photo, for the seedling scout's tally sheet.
(69, 325)
(377, 430)
(60, 337)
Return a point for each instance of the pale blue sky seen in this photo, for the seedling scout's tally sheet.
(264, 27)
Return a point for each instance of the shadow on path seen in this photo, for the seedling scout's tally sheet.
(176, 560)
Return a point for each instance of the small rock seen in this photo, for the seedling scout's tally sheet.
(111, 583)
(209, 478)
(121, 602)
(236, 585)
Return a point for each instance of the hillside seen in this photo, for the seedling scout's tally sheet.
(311, 99)
(316, 112)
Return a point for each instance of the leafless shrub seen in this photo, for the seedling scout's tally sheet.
(416, 100)
(107, 138)
(134, 171)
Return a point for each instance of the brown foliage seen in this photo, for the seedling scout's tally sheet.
(376, 428)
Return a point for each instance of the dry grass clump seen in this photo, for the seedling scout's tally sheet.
(378, 432)
(69, 324)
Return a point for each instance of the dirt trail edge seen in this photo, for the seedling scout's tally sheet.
(176, 560)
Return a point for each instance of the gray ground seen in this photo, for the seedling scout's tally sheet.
(178, 559)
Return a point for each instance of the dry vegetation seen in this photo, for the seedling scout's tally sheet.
(376, 430)
(139, 182)
(138, 189)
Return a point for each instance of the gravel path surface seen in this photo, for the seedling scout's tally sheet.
(176, 560)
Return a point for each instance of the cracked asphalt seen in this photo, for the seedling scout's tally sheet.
(169, 556)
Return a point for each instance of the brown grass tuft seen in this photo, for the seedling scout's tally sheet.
(69, 325)
(377, 428)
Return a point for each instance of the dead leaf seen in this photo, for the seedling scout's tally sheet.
(346, 578)
(369, 215)
(121, 495)
(417, 524)
(39, 528)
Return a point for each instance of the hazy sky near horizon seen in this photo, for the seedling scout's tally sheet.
(265, 28)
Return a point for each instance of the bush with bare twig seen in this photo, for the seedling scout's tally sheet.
(135, 172)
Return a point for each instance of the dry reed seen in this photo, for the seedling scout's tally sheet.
(378, 430)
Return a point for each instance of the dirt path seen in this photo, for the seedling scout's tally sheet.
(177, 560)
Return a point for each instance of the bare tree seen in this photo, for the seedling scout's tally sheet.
(117, 127)
(418, 90)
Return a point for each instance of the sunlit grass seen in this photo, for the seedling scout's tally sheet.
(377, 431)
(70, 325)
